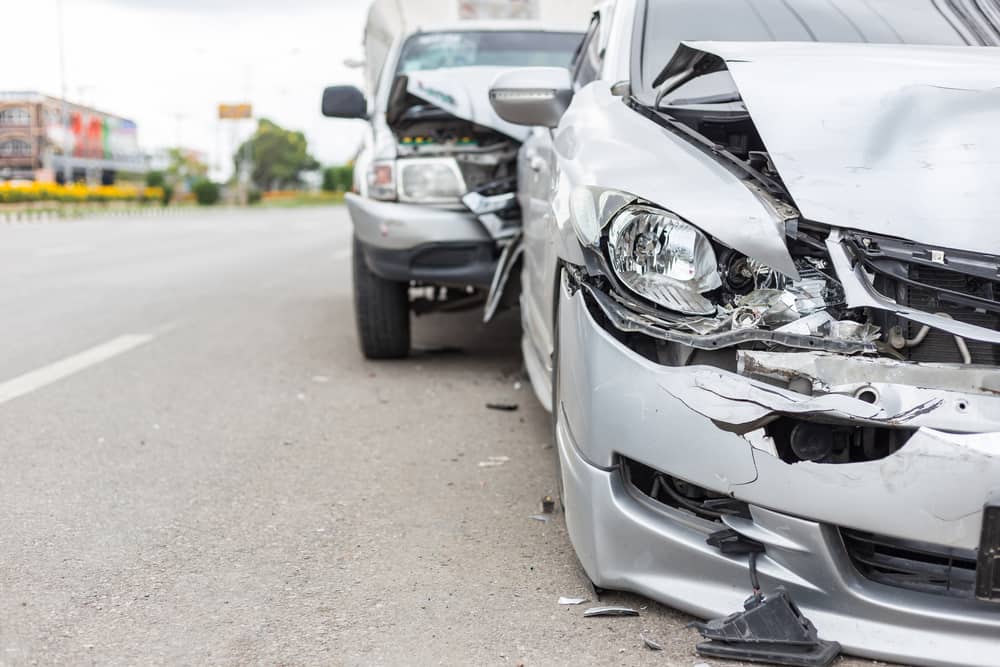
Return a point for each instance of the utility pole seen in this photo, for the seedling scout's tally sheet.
(67, 146)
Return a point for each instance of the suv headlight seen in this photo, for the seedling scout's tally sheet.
(430, 180)
(382, 180)
(663, 259)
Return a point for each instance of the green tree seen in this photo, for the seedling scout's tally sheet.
(278, 156)
(184, 166)
(339, 178)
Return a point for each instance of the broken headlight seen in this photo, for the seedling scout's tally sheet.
(430, 180)
(663, 259)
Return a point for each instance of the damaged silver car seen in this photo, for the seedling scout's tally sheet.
(761, 296)
(434, 206)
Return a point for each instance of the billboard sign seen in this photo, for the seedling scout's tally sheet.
(235, 111)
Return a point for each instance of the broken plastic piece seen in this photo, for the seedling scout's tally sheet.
(564, 600)
(770, 629)
(503, 407)
(728, 541)
(494, 461)
(548, 504)
(610, 611)
(540, 517)
(650, 644)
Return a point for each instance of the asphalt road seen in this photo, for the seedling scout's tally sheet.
(198, 466)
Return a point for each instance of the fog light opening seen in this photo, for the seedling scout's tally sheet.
(812, 442)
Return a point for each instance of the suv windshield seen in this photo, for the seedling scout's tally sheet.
(437, 50)
(666, 23)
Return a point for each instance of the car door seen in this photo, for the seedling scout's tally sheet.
(538, 173)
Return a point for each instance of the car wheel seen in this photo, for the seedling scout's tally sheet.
(382, 312)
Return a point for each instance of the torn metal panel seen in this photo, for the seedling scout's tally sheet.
(934, 488)
(500, 293)
(904, 150)
(629, 320)
(964, 398)
(826, 371)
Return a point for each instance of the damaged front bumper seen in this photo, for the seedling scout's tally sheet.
(422, 243)
(859, 545)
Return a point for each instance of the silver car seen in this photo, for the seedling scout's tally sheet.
(761, 296)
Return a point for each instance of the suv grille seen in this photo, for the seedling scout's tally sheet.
(915, 566)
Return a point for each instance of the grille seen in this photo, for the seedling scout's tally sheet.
(916, 566)
(962, 285)
(939, 346)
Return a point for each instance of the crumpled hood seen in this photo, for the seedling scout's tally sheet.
(464, 92)
(897, 140)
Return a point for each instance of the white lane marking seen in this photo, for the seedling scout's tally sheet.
(342, 254)
(46, 375)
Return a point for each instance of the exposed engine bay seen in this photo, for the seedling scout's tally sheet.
(486, 160)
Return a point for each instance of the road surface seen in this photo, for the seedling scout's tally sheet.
(199, 468)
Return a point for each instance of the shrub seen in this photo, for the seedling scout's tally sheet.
(206, 192)
(155, 179)
(254, 196)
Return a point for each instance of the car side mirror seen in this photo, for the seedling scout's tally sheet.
(532, 95)
(344, 102)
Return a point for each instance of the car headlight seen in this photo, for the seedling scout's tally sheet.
(382, 180)
(663, 259)
(430, 180)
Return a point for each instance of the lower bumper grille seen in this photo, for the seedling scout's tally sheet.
(915, 566)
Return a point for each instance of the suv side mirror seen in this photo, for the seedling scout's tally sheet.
(532, 95)
(344, 102)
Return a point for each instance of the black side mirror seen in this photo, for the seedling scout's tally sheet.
(344, 102)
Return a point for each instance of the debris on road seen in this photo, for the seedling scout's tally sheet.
(548, 505)
(503, 407)
(564, 600)
(610, 611)
(539, 517)
(494, 461)
(769, 629)
(650, 644)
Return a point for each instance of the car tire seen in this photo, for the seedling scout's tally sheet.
(381, 310)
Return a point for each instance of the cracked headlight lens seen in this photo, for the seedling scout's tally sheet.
(430, 180)
(663, 259)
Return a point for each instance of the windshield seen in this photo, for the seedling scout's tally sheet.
(666, 23)
(438, 50)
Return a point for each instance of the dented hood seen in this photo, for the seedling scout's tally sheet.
(898, 140)
(464, 92)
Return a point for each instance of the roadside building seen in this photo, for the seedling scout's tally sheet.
(37, 143)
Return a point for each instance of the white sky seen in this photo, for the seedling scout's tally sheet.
(155, 60)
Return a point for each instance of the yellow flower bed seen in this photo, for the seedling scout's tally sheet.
(28, 191)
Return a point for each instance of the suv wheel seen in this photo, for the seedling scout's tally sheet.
(382, 311)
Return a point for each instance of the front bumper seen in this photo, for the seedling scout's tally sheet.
(426, 244)
(616, 403)
(394, 226)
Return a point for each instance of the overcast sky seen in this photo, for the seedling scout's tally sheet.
(166, 64)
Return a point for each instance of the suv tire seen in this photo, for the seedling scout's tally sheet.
(382, 312)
